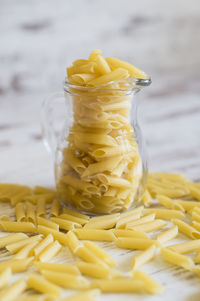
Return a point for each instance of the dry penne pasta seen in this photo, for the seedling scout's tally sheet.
(151, 286)
(75, 219)
(146, 198)
(167, 235)
(47, 223)
(122, 222)
(25, 251)
(5, 276)
(4, 217)
(95, 234)
(89, 295)
(186, 247)
(11, 238)
(14, 247)
(176, 258)
(107, 223)
(65, 224)
(141, 220)
(196, 216)
(100, 253)
(18, 226)
(16, 265)
(135, 243)
(61, 237)
(166, 214)
(88, 256)
(196, 225)
(66, 280)
(72, 241)
(94, 270)
(169, 203)
(43, 190)
(34, 281)
(13, 291)
(20, 212)
(188, 205)
(125, 285)
(129, 233)
(186, 229)
(75, 213)
(30, 213)
(149, 226)
(50, 251)
(56, 267)
(144, 257)
(194, 191)
(55, 208)
(197, 258)
(42, 244)
(41, 208)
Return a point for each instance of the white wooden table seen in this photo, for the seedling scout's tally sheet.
(38, 39)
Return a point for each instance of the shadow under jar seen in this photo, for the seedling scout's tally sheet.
(100, 161)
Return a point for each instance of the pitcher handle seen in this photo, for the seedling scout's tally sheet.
(49, 133)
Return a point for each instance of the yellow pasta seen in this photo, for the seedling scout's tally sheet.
(20, 212)
(25, 251)
(75, 219)
(146, 199)
(196, 225)
(93, 270)
(16, 265)
(186, 247)
(89, 295)
(94, 54)
(95, 234)
(106, 223)
(30, 213)
(123, 221)
(197, 258)
(122, 285)
(50, 251)
(194, 191)
(65, 224)
(144, 257)
(4, 217)
(72, 241)
(42, 244)
(142, 220)
(165, 214)
(102, 65)
(55, 208)
(11, 238)
(75, 213)
(41, 208)
(61, 237)
(35, 281)
(135, 243)
(100, 253)
(47, 223)
(18, 226)
(15, 246)
(56, 267)
(169, 203)
(149, 226)
(34, 298)
(176, 258)
(188, 205)
(13, 291)
(186, 229)
(66, 280)
(196, 216)
(129, 233)
(167, 235)
(87, 255)
(5, 276)
(151, 286)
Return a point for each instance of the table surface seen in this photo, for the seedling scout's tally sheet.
(39, 40)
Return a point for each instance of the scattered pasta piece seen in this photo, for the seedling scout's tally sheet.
(151, 286)
(144, 257)
(35, 281)
(13, 291)
(176, 258)
(5, 276)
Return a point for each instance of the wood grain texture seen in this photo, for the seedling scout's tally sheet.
(38, 39)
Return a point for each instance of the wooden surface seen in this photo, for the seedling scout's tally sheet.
(38, 39)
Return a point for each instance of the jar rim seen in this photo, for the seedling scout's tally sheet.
(133, 84)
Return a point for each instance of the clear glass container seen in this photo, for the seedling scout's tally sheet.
(100, 158)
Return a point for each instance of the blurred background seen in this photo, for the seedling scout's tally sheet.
(38, 39)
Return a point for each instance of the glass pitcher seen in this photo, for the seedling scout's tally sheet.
(100, 159)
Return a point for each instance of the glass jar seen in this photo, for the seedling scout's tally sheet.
(100, 160)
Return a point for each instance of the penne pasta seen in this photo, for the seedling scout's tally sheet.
(165, 214)
(146, 199)
(35, 281)
(56, 267)
(30, 213)
(135, 243)
(144, 257)
(20, 212)
(186, 247)
(151, 286)
(41, 208)
(42, 245)
(106, 223)
(47, 223)
(16, 265)
(55, 208)
(17, 226)
(196, 225)
(123, 221)
(188, 205)
(66, 280)
(11, 238)
(100, 253)
(129, 233)
(121, 285)
(72, 218)
(57, 235)
(88, 256)
(93, 270)
(169, 203)
(4, 217)
(65, 224)
(25, 251)
(17, 245)
(72, 241)
(149, 226)
(50, 251)
(186, 229)
(75, 213)
(167, 235)
(14, 290)
(176, 258)
(117, 74)
(197, 258)
(141, 220)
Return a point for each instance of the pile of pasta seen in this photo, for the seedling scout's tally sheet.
(101, 169)
(39, 229)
